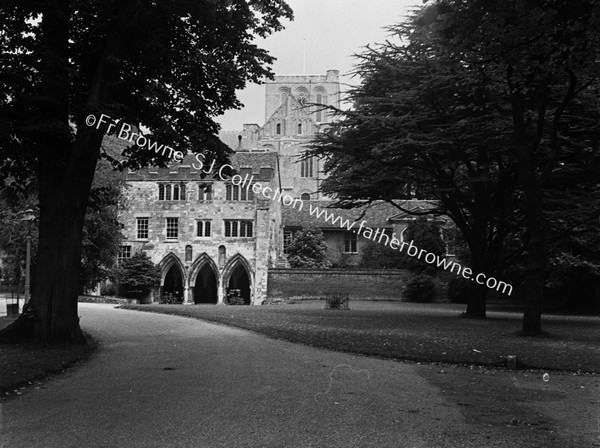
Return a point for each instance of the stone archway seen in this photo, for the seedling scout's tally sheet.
(206, 286)
(173, 282)
(240, 280)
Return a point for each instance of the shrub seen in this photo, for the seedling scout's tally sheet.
(137, 275)
(108, 289)
(458, 289)
(379, 256)
(337, 301)
(308, 250)
(419, 289)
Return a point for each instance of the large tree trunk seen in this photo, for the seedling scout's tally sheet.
(66, 170)
(476, 301)
(536, 265)
(536, 261)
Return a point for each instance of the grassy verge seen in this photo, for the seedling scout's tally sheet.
(418, 332)
(22, 365)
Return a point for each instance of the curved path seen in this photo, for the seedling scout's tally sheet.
(166, 381)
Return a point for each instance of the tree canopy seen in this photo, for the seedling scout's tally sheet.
(167, 68)
(491, 110)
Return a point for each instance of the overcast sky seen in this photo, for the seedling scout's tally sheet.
(332, 31)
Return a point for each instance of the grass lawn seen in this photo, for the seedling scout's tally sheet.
(418, 332)
(23, 364)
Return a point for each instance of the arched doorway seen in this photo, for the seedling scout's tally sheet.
(205, 289)
(173, 283)
(240, 279)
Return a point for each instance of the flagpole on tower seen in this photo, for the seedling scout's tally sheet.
(304, 57)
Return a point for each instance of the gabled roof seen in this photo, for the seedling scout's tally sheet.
(378, 214)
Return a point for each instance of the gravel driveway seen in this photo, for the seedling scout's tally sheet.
(166, 381)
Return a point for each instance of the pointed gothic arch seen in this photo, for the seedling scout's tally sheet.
(238, 275)
(173, 276)
(204, 280)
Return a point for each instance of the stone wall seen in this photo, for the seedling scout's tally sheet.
(315, 283)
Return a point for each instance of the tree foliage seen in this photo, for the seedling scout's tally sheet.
(308, 249)
(490, 109)
(425, 234)
(102, 230)
(137, 276)
(167, 67)
(13, 238)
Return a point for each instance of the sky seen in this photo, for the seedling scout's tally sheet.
(331, 31)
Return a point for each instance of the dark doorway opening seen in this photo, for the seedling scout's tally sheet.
(174, 283)
(240, 280)
(205, 290)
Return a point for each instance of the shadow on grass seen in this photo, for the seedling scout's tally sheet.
(22, 365)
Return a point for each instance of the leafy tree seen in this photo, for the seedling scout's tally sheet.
(485, 107)
(421, 127)
(308, 249)
(425, 235)
(573, 278)
(137, 275)
(169, 67)
(543, 55)
(102, 229)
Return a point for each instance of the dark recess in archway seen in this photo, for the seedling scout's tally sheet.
(205, 290)
(240, 280)
(173, 283)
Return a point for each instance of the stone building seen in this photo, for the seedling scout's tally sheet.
(210, 236)
(295, 111)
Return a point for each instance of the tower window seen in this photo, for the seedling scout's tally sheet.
(319, 109)
(299, 128)
(278, 129)
(306, 166)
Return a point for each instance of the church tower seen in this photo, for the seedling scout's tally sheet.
(294, 113)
